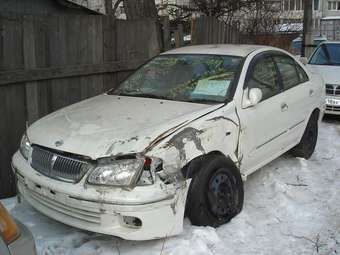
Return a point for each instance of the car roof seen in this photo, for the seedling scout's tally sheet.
(241, 50)
(330, 42)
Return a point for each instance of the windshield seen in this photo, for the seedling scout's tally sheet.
(189, 78)
(326, 54)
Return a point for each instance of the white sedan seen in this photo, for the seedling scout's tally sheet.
(178, 137)
(326, 62)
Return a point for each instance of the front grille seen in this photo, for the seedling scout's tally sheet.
(333, 108)
(332, 89)
(58, 166)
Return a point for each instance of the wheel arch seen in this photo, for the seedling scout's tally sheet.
(315, 112)
(194, 166)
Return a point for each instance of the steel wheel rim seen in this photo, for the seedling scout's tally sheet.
(221, 194)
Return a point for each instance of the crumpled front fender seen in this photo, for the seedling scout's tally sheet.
(216, 131)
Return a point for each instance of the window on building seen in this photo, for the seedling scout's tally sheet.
(298, 5)
(286, 5)
(292, 5)
(316, 5)
(333, 5)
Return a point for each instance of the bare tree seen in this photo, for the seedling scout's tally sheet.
(108, 8)
(137, 9)
(222, 9)
(260, 17)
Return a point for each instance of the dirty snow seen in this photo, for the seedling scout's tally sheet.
(292, 206)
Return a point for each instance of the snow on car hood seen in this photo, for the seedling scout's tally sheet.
(108, 125)
(330, 74)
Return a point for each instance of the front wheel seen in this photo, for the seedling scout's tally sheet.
(216, 193)
(306, 147)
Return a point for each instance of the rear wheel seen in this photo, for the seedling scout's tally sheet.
(306, 147)
(216, 193)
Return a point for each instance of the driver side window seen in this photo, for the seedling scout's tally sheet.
(265, 77)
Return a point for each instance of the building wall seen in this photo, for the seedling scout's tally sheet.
(330, 29)
(292, 12)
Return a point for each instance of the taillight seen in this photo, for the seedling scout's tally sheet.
(8, 229)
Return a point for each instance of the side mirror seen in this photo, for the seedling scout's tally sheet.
(254, 97)
(303, 60)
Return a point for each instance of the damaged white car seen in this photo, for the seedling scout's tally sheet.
(176, 138)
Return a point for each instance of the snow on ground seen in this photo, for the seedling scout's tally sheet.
(292, 206)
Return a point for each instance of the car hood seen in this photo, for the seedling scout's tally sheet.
(109, 125)
(330, 74)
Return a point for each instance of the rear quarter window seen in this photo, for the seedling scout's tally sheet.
(302, 74)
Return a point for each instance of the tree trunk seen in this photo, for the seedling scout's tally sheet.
(109, 8)
(139, 9)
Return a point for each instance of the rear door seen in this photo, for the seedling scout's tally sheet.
(297, 97)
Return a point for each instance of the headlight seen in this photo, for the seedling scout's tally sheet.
(124, 172)
(25, 147)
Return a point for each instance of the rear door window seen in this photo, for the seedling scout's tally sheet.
(288, 70)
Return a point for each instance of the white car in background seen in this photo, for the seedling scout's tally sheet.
(326, 62)
(177, 137)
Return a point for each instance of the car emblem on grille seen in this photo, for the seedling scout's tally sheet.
(59, 143)
(53, 160)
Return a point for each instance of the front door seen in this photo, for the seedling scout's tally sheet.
(263, 126)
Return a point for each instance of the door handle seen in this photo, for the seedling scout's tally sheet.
(284, 107)
(311, 92)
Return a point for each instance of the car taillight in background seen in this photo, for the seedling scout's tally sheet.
(8, 228)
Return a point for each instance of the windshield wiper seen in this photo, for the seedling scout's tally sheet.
(204, 101)
(147, 95)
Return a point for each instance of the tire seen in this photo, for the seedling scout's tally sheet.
(216, 193)
(306, 147)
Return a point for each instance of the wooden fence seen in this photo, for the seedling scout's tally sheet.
(209, 30)
(283, 41)
(48, 62)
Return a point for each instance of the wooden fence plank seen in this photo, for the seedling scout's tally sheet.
(209, 30)
(109, 30)
(12, 101)
(31, 88)
(38, 74)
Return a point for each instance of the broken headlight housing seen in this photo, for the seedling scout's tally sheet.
(25, 147)
(124, 172)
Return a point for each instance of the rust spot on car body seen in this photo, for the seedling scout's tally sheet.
(186, 135)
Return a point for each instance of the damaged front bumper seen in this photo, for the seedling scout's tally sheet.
(144, 213)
